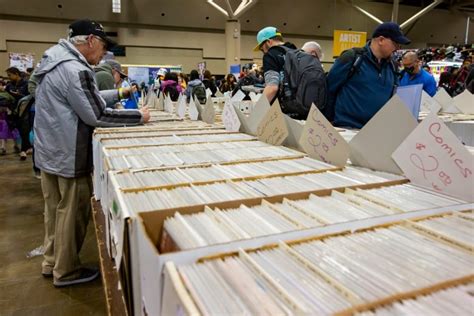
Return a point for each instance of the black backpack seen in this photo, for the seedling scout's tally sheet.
(200, 93)
(172, 92)
(303, 83)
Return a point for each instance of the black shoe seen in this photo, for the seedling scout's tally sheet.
(47, 275)
(23, 156)
(85, 275)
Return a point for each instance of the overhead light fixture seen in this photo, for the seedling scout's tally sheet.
(215, 5)
(241, 9)
(116, 7)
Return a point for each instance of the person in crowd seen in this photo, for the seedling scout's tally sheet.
(171, 87)
(68, 107)
(470, 79)
(182, 80)
(362, 80)
(413, 74)
(28, 73)
(194, 82)
(109, 75)
(228, 84)
(313, 48)
(7, 103)
(209, 82)
(160, 76)
(270, 42)
(457, 83)
(17, 87)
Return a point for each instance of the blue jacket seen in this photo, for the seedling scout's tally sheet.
(424, 78)
(366, 92)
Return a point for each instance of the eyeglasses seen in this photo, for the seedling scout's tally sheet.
(395, 44)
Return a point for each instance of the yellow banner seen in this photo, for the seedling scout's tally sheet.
(344, 40)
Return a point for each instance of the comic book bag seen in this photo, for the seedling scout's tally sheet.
(303, 83)
(200, 93)
(172, 91)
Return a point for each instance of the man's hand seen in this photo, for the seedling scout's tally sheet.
(145, 114)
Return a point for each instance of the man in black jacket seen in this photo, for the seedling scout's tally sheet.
(269, 41)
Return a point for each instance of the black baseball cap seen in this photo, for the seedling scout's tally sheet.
(391, 30)
(87, 27)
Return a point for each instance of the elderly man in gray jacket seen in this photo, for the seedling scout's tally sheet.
(68, 107)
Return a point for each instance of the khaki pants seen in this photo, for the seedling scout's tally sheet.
(67, 209)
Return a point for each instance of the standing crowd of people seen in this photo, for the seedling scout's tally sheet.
(71, 92)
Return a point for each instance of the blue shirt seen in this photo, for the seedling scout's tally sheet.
(423, 77)
(365, 93)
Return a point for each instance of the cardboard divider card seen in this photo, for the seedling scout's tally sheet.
(259, 111)
(244, 124)
(432, 156)
(238, 96)
(254, 97)
(199, 107)
(321, 141)
(208, 114)
(219, 94)
(375, 143)
(411, 96)
(208, 93)
(181, 106)
(168, 105)
(446, 102)
(193, 111)
(272, 128)
(295, 128)
(230, 118)
(428, 104)
(161, 102)
(465, 102)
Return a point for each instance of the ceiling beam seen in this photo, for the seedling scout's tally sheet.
(420, 13)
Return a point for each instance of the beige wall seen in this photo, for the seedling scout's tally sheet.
(144, 46)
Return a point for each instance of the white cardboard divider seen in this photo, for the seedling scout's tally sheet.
(465, 102)
(230, 117)
(181, 106)
(193, 111)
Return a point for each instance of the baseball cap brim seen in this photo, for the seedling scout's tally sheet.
(401, 40)
(110, 44)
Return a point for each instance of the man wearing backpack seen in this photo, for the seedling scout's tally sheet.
(196, 88)
(292, 75)
(362, 80)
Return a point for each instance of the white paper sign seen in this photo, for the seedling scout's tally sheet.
(219, 94)
(375, 143)
(169, 105)
(465, 102)
(259, 111)
(208, 113)
(208, 93)
(161, 102)
(238, 96)
(432, 156)
(321, 141)
(193, 111)
(254, 97)
(181, 108)
(428, 104)
(295, 128)
(446, 102)
(230, 118)
(272, 128)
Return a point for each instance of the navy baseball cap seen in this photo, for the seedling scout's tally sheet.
(391, 30)
(88, 27)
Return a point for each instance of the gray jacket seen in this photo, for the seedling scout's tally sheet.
(68, 107)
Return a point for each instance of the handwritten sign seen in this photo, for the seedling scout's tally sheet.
(432, 156)
(193, 111)
(374, 145)
(465, 102)
(321, 141)
(272, 129)
(208, 113)
(181, 108)
(230, 118)
(344, 40)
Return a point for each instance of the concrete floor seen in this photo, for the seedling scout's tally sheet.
(23, 290)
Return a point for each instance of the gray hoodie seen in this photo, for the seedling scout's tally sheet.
(68, 107)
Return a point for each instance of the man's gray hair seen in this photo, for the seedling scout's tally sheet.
(79, 39)
(312, 46)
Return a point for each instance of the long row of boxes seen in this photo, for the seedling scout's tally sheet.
(181, 191)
